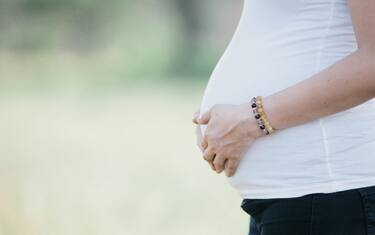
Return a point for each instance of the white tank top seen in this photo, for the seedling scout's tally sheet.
(277, 44)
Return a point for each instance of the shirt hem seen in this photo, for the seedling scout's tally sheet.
(301, 191)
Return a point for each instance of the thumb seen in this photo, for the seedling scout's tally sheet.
(195, 117)
(204, 118)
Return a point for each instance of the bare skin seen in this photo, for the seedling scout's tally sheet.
(231, 136)
(231, 129)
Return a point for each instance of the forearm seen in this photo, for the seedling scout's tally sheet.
(345, 84)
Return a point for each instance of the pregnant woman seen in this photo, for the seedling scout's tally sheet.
(288, 114)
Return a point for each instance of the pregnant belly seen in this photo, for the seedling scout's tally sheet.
(237, 77)
(296, 155)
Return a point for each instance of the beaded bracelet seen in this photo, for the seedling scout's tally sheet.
(260, 116)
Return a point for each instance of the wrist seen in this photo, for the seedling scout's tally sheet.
(252, 126)
(255, 131)
(271, 112)
(261, 120)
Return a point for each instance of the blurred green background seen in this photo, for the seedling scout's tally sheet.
(96, 101)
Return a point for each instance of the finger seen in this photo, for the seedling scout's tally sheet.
(212, 164)
(210, 160)
(195, 117)
(200, 146)
(204, 142)
(231, 167)
(219, 163)
(199, 138)
(205, 117)
(208, 154)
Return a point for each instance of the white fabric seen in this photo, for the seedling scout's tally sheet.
(278, 43)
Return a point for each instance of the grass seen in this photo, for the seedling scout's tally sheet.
(113, 162)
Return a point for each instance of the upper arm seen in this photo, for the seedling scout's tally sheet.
(363, 18)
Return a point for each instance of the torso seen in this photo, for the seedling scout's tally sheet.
(279, 43)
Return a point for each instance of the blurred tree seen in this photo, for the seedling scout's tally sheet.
(168, 38)
(189, 30)
(38, 24)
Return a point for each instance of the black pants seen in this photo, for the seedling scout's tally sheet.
(349, 212)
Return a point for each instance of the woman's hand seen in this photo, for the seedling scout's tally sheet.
(199, 136)
(230, 131)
